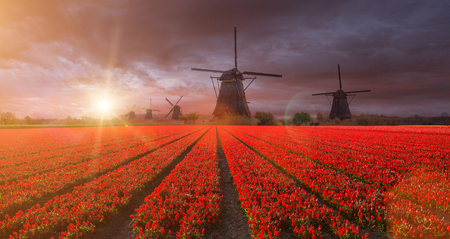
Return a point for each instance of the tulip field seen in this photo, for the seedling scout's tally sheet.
(165, 181)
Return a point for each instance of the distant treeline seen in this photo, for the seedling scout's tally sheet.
(8, 118)
(259, 118)
(443, 119)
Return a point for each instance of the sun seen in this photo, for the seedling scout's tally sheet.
(104, 105)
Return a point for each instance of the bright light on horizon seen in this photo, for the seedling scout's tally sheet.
(104, 105)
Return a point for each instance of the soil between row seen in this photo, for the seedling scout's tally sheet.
(363, 230)
(233, 225)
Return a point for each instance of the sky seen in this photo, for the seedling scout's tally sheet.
(61, 58)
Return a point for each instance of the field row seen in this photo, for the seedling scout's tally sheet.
(306, 182)
(340, 178)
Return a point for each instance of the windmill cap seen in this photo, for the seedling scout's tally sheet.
(340, 92)
(230, 75)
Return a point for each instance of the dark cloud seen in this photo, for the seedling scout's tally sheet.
(64, 53)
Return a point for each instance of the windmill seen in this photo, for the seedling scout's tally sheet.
(148, 114)
(340, 108)
(176, 110)
(231, 99)
(131, 114)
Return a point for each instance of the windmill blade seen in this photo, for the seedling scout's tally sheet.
(339, 72)
(178, 100)
(250, 82)
(128, 108)
(168, 113)
(328, 93)
(157, 110)
(169, 102)
(133, 107)
(358, 91)
(214, 86)
(260, 74)
(126, 116)
(198, 69)
(235, 49)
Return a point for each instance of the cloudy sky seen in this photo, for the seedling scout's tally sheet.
(60, 58)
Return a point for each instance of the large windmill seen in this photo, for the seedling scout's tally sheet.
(131, 114)
(231, 99)
(148, 112)
(176, 110)
(340, 108)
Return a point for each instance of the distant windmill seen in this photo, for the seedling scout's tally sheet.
(340, 108)
(176, 110)
(148, 114)
(231, 99)
(131, 114)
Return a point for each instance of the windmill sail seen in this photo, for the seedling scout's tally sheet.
(340, 107)
(231, 98)
(131, 114)
(149, 112)
(175, 109)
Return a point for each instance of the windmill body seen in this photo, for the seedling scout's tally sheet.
(340, 107)
(176, 112)
(231, 99)
(131, 114)
(176, 109)
(149, 112)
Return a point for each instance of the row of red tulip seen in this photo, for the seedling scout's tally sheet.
(76, 213)
(420, 205)
(373, 147)
(28, 190)
(380, 170)
(404, 151)
(18, 140)
(430, 140)
(353, 198)
(426, 150)
(59, 158)
(271, 199)
(377, 170)
(366, 168)
(188, 201)
(407, 219)
(46, 147)
(404, 146)
(22, 142)
(430, 189)
(15, 138)
(413, 138)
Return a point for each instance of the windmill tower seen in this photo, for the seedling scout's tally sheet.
(148, 114)
(176, 110)
(131, 114)
(231, 99)
(340, 108)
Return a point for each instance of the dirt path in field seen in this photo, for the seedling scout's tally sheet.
(373, 234)
(234, 224)
(120, 226)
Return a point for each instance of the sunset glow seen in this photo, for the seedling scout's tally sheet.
(66, 51)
